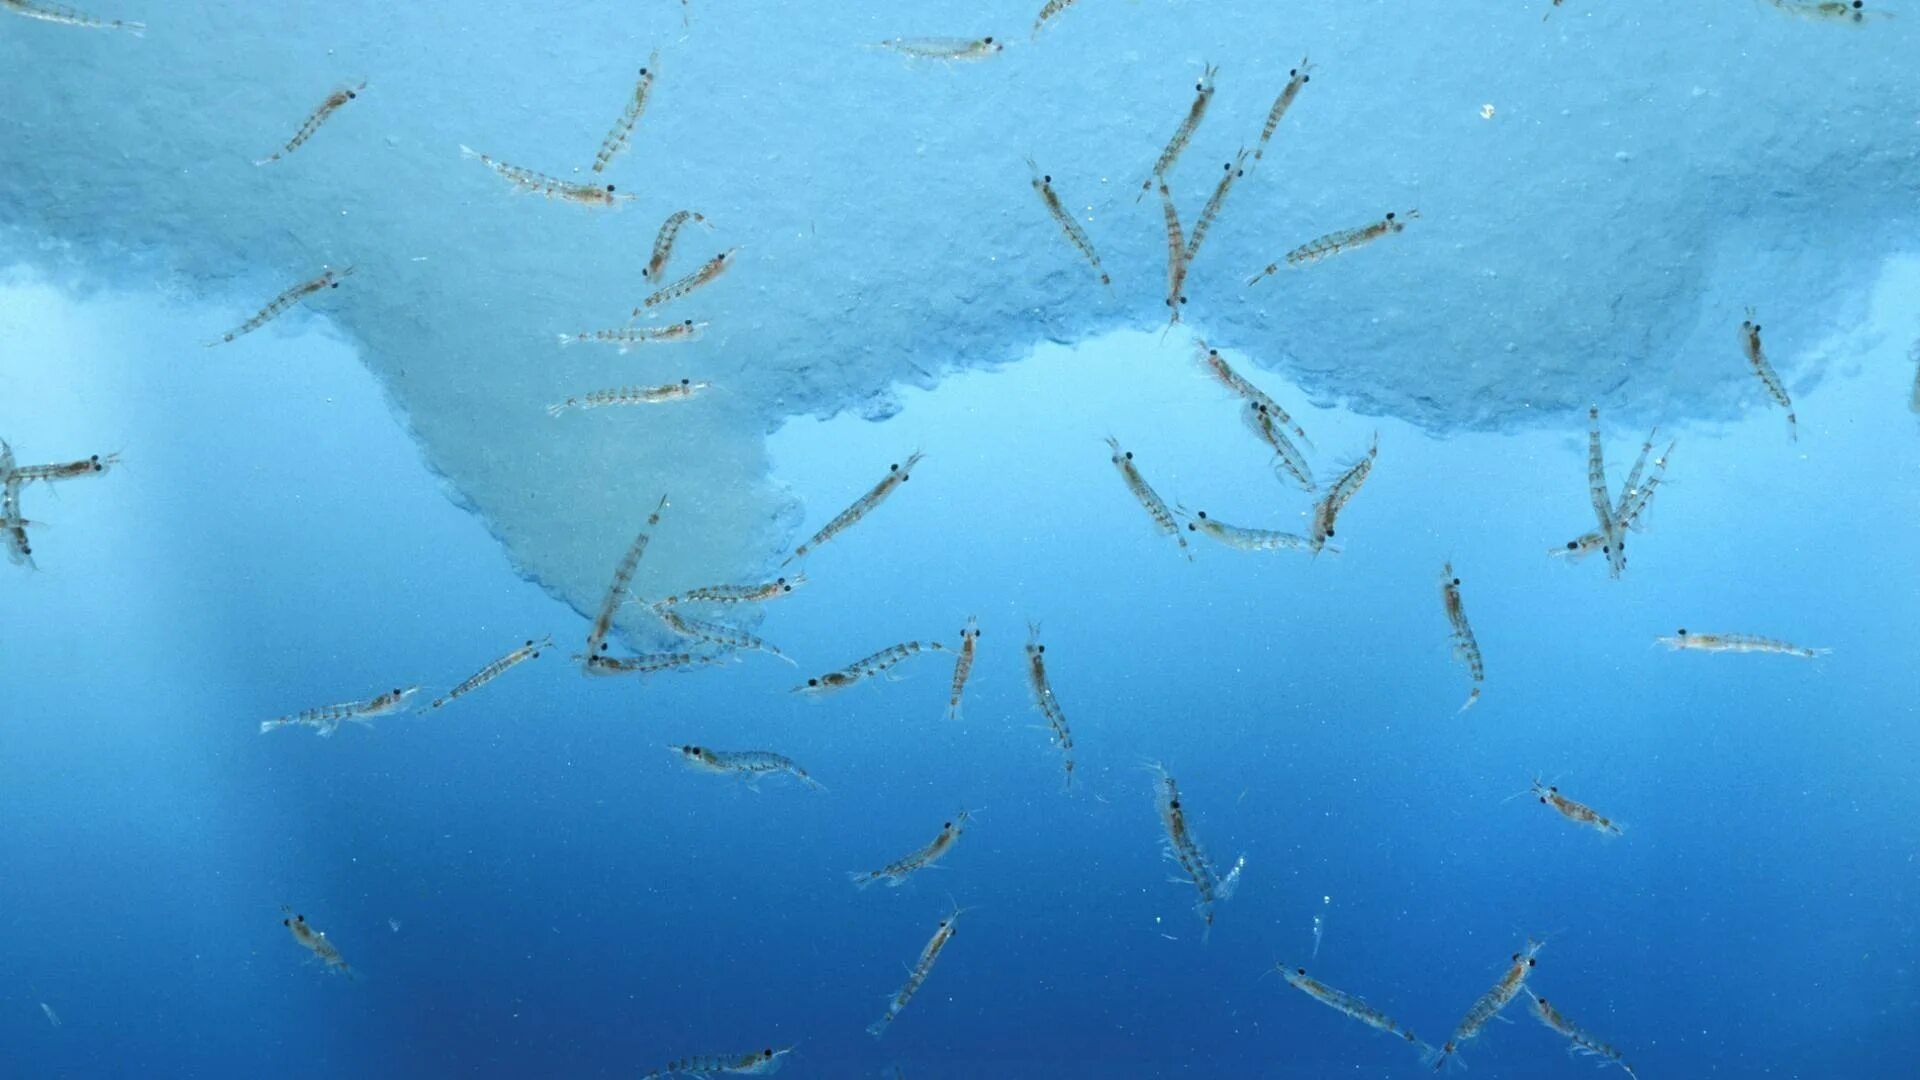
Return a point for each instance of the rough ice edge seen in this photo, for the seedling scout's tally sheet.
(988, 212)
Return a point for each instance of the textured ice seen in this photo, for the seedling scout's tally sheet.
(1646, 171)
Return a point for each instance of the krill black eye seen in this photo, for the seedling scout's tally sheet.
(1573, 545)
(609, 189)
(1389, 215)
(1299, 971)
(351, 96)
(95, 458)
(1203, 515)
(946, 824)
(1043, 648)
(686, 382)
(1048, 179)
(286, 922)
(396, 691)
(1174, 805)
(1329, 531)
(643, 71)
(1516, 956)
(1129, 455)
(813, 682)
(893, 468)
(1291, 72)
(335, 285)
(1456, 581)
(1683, 631)
(1191, 527)
(1306, 78)
(1529, 961)
(990, 40)
(1543, 800)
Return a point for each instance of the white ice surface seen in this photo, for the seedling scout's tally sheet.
(1648, 170)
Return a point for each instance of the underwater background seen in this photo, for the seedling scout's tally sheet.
(368, 493)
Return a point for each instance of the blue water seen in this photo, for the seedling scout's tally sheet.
(527, 884)
(571, 902)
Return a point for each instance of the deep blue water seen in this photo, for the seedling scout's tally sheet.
(572, 902)
(527, 884)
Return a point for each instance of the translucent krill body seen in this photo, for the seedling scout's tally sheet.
(529, 651)
(626, 337)
(1339, 493)
(751, 764)
(867, 667)
(1489, 1004)
(66, 16)
(314, 941)
(529, 182)
(1296, 79)
(1149, 499)
(1185, 851)
(898, 473)
(1465, 648)
(1762, 370)
(737, 594)
(763, 1062)
(1244, 539)
(622, 131)
(906, 866)
(1578, 1041)
(320, 115)
(963, 665)
(327, 719)
(917, 974)
(1578, 813)
(616, 594)
(329, 279)
(1335, 243)
(707, 272)
(631, 395)
(945, 48)
(664, 240)
(1737, 643)
(1177, 142)
(716, 633)
(1349, 1006)
(1045, 701)
(1235, 169)
(1071, 228)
